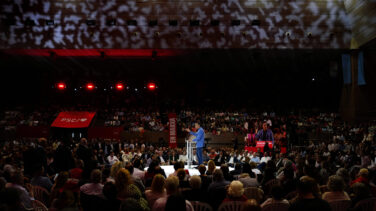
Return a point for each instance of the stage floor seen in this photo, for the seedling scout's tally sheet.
(192, 171)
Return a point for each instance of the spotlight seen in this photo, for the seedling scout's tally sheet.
(61, 86)
(152, 86)
(90, 86)
(119, 86)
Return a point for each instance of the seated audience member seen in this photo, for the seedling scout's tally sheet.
(177, 202)
(237, 170)
(39, 180)
(58, 186)
(205, 180)
(112, 203)
(76, 173)
(115, 168)
(183, 179)
(217, 189)
(195, 193)
(10, 199)
(172, 187)
(362, 177)
(211, 167)
(336, 191)
(153, 169)
(112, 158)
(277, 196)
(344, 174)
(95, 188)
(251, 205)
(220, 158)
(248, 181)
(226, 172)
(65, 201)
(307, 197)
(138, 170)
(137, 181)
(17, 182)
(235, 192)
(157, 189)
(360, 191)
(131, 204)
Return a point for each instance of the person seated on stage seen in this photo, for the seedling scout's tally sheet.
(265, 134)
(255, 157)
(220, 158)
(161, 159)
(183, 157)
(173, 158)
(232, 159)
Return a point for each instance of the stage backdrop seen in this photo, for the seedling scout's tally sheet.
(73, 119)
(172, 130)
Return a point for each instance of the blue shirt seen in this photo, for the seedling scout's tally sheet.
(200, 136)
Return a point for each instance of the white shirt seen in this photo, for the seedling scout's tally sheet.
(112, 159)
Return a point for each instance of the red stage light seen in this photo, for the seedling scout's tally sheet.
(61, 86)
(90, 86)
(151, 86)
(119, 86)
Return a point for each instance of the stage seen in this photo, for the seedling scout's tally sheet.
(192, 171)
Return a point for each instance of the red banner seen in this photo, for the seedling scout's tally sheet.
(73, 119)
(172, 130)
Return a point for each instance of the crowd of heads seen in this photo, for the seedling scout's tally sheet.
(129, 175)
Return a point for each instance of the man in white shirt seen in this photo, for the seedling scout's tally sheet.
(112, 158)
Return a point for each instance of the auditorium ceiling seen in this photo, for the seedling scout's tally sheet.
(185, 24)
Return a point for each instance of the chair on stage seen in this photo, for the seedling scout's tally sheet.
(41, 194)
(254, 193)
(342, 205)
(278, 206)
(231, 206)
(201, 206)
(366, 204)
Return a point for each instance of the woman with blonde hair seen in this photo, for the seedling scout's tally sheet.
(235, 192)
(126, 189)
(211, 167)
(115, 169)
(157, 189)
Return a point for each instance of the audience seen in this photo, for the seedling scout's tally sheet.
(120, 173)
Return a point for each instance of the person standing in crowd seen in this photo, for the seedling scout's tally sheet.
(200, 137)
